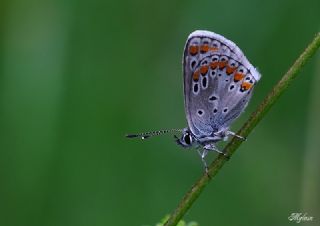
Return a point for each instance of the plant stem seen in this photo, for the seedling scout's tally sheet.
(254, 119)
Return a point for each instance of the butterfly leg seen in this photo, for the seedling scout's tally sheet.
(202, 156)
(230, 133)
(212, 147)
(224, 134)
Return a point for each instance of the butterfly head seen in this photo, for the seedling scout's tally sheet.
(186, 139)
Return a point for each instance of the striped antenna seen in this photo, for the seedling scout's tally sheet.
(153, 133)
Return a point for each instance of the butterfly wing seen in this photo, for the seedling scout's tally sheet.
(218, 82)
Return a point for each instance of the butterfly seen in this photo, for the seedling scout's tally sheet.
(218, 84)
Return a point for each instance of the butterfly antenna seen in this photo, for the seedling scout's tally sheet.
(153, 133)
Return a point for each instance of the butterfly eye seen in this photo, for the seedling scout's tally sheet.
(187, 139)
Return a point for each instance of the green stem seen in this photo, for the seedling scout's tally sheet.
(254, 119)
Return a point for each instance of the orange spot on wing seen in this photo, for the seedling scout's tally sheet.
(193, 50)
(204, 48)
(204, 69)
(196, 75)
(238, 76)
(213, 49)
(230, 70)
(222, 64)
(246, 85)
(214, 64)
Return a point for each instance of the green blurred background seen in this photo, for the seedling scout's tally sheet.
(78, 75)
